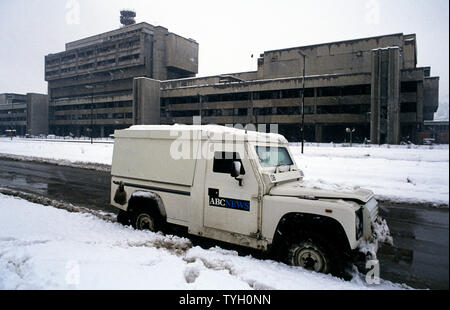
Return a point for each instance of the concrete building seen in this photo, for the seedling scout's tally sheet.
(90, 84)
(142, 74)
(372, 85)
(24, 114)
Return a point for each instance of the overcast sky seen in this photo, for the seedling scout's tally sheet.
(228, 32)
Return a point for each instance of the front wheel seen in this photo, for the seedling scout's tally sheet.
(314, 253)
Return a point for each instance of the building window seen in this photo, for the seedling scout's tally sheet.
(129, 57)
(264, 111)
(355, 90)
(86, 66)
(107, 49)
(328, 92)
(240, 112)
(344, 109)
(68, 57)
(409, 87)
(408, 107)
(106, 62)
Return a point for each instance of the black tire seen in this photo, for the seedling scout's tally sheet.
(123, 218)
(313, 252)
(145, 220)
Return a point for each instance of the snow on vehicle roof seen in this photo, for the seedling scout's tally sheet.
(211, 130)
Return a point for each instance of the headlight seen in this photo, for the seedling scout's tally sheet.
(358, 224)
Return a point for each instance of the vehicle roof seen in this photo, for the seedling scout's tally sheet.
(213, 132)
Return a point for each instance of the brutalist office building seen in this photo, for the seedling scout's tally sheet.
(142, 74)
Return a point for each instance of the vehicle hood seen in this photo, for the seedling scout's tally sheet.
(321, 191)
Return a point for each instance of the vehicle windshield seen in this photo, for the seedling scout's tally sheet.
(270, 156)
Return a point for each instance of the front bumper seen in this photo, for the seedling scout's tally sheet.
(375, 233)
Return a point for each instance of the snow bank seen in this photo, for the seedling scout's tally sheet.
(47, 248)
(413, 174)
(75, 152)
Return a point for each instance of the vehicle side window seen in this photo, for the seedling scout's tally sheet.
(224, 160)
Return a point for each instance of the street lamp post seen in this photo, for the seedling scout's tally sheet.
(303, 101)
(12, 115)
(200, 107)
(350, 131)
(92, 111)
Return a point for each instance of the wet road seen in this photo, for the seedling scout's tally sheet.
(419, 258)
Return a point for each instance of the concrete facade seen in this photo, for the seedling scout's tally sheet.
(37, 114)
(142, 74)
(90, 84)
(26, 114)
(146, 101)
(371, 85)
(385, 95)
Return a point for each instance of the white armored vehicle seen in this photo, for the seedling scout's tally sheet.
(240, 187)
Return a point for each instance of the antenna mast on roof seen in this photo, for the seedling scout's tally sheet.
(127, 17)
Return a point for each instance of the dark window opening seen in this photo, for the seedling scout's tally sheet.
(223, 162)
(129, 57)
(409, 87)
(328, 92)
(408, 107)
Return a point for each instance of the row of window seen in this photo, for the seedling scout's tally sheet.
(100, 50)
(121, 35)
(129, 57)
(130, 44)
(13, 119)
(293, 110)
(98, 75)
(97, 105)
(68, 70)
(352, 90)
(337, 91)
(344, 109)
(92, 64)
(106, 62)
(18, 111)
(94, 116)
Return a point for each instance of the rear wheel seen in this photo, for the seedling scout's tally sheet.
(144, 220)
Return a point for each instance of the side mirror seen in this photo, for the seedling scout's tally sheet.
(236, 169)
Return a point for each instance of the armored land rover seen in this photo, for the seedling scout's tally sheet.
(236, 186)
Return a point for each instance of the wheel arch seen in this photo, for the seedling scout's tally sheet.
(141, 199)
(291, 223)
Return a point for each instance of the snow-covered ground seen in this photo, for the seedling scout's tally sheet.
(417, 174)
(46, 248)
(100, 153)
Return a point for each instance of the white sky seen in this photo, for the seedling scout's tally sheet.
(228, 32)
